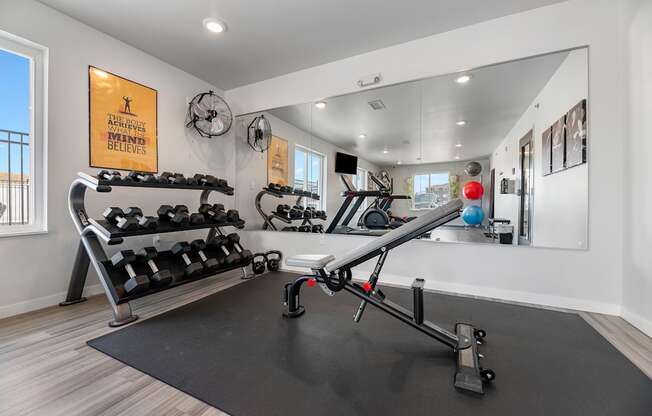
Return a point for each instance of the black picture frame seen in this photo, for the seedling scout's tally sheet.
(546, 152)
(576, 135)
(558, 162)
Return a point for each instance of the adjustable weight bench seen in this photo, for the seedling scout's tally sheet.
(334, 275)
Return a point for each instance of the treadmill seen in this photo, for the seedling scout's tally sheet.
(349, 208)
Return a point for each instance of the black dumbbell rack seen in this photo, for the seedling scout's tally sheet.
(268, 218)
(93, 232)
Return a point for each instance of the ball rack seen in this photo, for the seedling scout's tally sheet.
(268, 218)
(94, 232)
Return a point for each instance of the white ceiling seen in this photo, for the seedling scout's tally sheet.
(268, 38)
(491, 103)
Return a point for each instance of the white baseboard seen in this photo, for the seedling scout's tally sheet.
(500, 295)
(43, 302)
(638, 321)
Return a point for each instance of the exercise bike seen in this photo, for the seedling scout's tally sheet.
(377, 216)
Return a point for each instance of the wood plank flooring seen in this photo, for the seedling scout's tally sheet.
(46, 368)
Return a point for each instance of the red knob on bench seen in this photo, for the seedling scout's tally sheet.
(312, 282)
(367, 287)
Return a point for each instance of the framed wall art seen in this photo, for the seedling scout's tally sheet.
(576, 135)
(122, 123)
(558, 145)
(277, 161)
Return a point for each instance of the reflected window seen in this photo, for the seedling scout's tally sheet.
(431, 190)
(309, 175)
(360, 181)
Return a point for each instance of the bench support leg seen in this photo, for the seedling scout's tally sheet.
(291, 297)
(372, 281)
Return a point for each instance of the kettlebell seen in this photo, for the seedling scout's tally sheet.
(258, 263)
(273, 258)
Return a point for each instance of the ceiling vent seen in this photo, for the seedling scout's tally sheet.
(377, 104)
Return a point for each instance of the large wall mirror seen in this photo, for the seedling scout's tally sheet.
(510, 140)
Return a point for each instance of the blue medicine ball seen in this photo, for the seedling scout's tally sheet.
(473, 215)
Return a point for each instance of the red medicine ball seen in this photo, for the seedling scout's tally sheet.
(473, 190)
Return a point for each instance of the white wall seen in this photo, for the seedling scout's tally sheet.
(560, 209)
(589, 279)
(36, 268)
(637, 279)
(252, 170)
(403, 207)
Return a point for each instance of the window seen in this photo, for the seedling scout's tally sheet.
(360, 181)
(309, 175)
(22, 136)
(431, 190)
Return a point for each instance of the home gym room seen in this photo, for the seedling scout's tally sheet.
(264, 208)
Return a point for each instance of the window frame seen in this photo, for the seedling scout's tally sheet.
(322, 177)
(414, 191)
(38, 56)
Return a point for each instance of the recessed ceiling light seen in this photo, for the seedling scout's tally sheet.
(320, 105)
(458, 145)
(214, 25)
(461, 123)
(362, 136)
(385, 151)
(398, 162)
(463, 79)
(457, 158)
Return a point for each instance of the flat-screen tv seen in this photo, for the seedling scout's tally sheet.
(346, 164)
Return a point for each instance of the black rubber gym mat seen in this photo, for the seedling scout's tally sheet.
(234, 351)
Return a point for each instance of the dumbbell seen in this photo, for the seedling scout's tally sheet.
(290, 228)
(232, 215)
(317, 228)
(287, 189)
(143, 221)
(283, 210)
(234, 240)
(195, 218)
(210, 180)
(220, 243)
(137, 283)
(174, 178)
(109, 176)
(308, 213)
(258, 263)
(176, 218)
(273, 259)
(220, 214)
(209, 213)
(304, 229)
(117, 217)
(296, 213)
(182, 249)
(314, 196)
(274, 187)
(321, 214)
(158, 278)
(142, 177)
(199, 246)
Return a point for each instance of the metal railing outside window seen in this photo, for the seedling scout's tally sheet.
(14, 177)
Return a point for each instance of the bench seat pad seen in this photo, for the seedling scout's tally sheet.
(310, 261)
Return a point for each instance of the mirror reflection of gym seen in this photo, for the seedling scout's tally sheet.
(509, 139)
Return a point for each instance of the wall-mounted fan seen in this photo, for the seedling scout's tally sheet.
(209, 115)
(259, 135)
